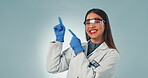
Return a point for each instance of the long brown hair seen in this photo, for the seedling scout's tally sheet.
(107, 35)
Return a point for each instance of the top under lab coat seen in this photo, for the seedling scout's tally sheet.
(80, 66)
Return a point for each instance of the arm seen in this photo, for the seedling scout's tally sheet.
(57, 62)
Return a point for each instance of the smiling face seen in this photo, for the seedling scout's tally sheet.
(95, 30)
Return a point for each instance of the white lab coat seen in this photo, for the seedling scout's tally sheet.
(79, 66)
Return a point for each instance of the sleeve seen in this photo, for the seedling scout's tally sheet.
(105, 69)
(55, 61)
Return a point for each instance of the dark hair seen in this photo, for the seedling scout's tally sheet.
(107, 35)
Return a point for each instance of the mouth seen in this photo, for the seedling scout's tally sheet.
(93, 31)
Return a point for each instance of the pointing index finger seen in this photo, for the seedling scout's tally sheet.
(72, 33)
(60, 21)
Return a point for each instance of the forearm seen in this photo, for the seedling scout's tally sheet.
(53, 56)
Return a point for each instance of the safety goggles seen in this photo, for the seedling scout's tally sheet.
(94, 21)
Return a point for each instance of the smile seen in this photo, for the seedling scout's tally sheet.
(93, 31)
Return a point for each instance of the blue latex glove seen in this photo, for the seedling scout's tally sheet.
(76, 43)
(59, 31)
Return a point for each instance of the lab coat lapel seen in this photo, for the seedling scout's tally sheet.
(98, 51)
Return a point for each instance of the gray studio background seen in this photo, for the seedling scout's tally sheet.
(26, 28)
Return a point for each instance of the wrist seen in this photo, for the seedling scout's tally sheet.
(79, 53)
(57, 41)
(61, 39)
(78, 50)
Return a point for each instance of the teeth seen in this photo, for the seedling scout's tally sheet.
(93, 31)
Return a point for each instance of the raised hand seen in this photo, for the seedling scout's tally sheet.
(59, 31)
(76, 43)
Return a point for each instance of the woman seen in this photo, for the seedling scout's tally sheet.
(96, 58)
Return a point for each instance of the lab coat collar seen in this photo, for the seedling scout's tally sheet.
(102, 46)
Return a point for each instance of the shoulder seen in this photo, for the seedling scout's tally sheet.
(109, 51)
(112, 54)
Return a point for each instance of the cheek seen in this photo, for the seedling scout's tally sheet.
(101, 30)
(87, 30)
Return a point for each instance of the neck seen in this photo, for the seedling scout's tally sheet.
(97, 40)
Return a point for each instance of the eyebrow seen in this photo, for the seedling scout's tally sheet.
(93, 19)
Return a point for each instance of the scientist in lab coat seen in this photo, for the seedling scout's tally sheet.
(96, 58)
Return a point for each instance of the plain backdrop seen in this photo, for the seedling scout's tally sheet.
(26, 28)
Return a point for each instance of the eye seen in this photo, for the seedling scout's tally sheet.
(87, 22)
(97, 21)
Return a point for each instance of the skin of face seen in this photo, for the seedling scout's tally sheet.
(95, 32)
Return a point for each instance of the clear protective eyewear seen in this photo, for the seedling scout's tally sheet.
(95, 21)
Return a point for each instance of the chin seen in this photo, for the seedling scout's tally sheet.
(93, 37)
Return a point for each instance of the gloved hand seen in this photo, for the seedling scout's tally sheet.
(59, 31)
(76, 43)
